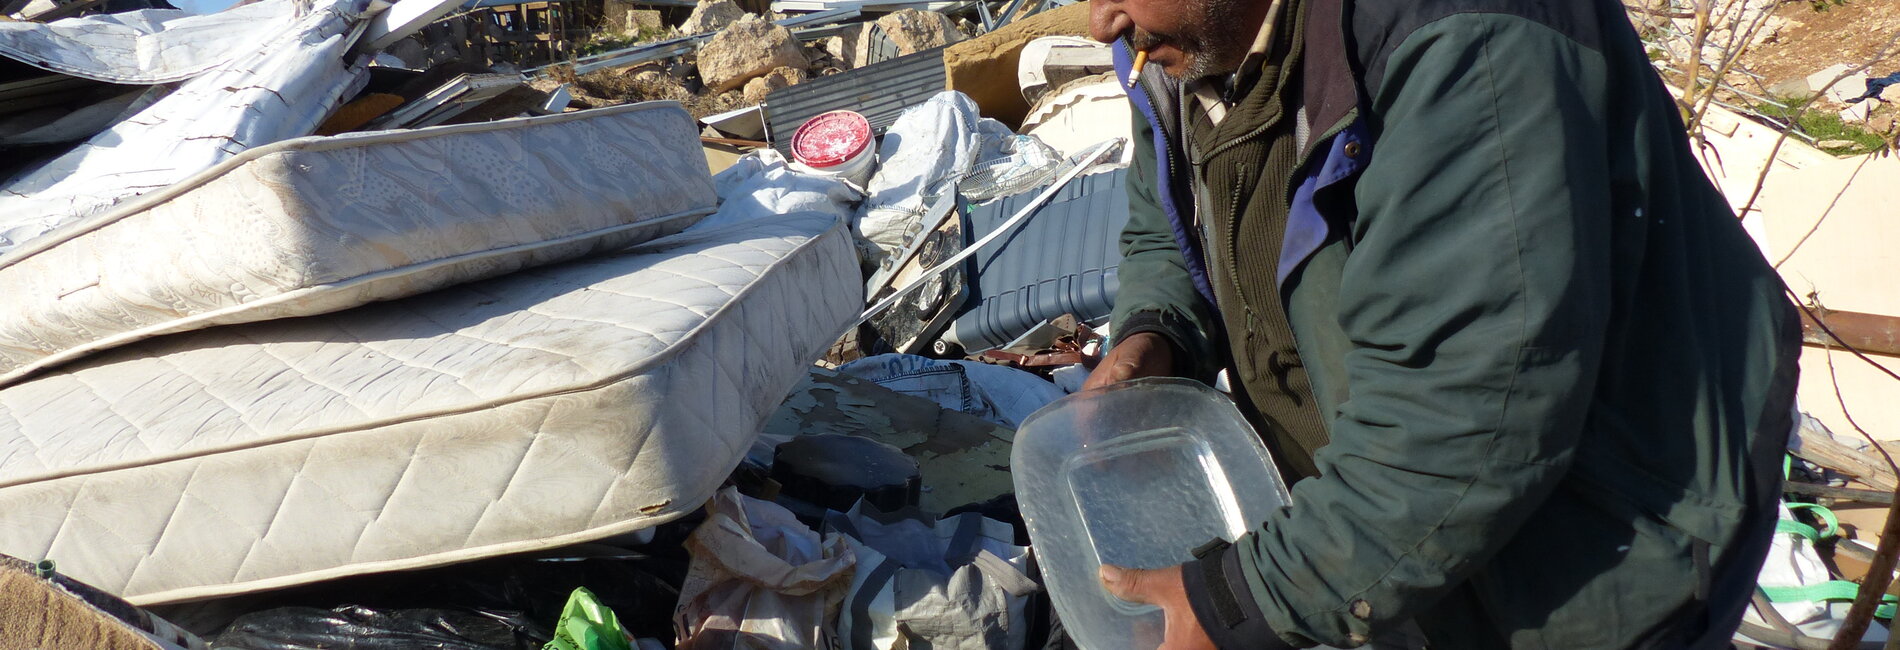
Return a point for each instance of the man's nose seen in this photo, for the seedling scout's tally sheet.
(1108, 20)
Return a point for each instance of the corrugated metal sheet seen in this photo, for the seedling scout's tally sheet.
(880, 92)
(1062, 260)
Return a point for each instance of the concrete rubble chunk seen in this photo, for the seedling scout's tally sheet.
(1834, 144)
(756, 89)
(1848, 88)
(747, 49)
(911, 31)
(712, 16)
(844, 48)
(1857, 113)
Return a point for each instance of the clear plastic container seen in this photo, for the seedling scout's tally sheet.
(1138, 475)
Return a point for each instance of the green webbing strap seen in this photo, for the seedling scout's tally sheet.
(1833, 590)
(1798, 528)
(1826, 516)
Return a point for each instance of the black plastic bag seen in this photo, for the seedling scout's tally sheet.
(499, 604)
(352, 627)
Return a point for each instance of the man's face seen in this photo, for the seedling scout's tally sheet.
(1189, 39)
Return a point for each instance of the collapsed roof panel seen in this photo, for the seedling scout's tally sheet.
(1064, 261)
(282, 90)
(148, 46)
(880, 93)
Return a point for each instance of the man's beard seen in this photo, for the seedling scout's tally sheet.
(1213, 44)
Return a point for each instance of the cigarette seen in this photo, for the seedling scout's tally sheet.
(1134, 74)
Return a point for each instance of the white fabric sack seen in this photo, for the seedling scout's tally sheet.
(760, 579)
(958, 583)
(1792, 562)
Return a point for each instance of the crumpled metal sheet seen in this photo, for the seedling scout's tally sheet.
(283, 91)
(148, 46)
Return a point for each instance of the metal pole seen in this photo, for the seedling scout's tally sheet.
(1088, 159)
(1870, 333)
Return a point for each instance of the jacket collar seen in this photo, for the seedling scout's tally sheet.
(1331, 90)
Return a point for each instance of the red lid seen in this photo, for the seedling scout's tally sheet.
(830, 139)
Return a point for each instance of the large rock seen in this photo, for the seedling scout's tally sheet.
(748, 49)
(711, 16)
(985, 67)
(844, 48)
(757, 89)
(911, 31)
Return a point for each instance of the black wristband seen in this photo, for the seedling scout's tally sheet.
(1222, 602)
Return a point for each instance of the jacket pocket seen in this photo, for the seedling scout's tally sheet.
(1586, 572)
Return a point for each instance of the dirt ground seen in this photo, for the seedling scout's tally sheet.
(1814, 40)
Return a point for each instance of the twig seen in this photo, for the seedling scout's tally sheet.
(1835, 381)
(1738, 43)
(1824, 213)
(1878, 497)
(1880, 569)
(1872, 587)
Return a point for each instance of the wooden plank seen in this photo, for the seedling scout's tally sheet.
(1821, 449)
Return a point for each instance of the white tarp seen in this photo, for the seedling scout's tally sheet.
(761, 185)
(281, 90)
(941, 146)
(148, 46)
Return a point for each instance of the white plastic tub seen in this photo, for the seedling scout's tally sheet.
(1135, 475)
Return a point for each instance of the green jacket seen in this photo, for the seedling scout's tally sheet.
(1554, 375)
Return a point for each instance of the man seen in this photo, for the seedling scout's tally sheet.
(1469, 282)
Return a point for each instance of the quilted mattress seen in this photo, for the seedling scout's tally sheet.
(550, 406)
(314, 225)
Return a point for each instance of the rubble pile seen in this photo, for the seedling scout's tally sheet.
(729, 58)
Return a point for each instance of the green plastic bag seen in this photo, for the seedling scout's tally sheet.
(588, 625)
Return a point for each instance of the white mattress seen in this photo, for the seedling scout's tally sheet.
(315, 225)
(547, 407)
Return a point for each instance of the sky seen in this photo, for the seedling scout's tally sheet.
(202, 6)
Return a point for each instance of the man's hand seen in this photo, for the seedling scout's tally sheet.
(1144, 354)
(1162, 588)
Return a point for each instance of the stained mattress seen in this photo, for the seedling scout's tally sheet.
(550, 406)
(314, 225)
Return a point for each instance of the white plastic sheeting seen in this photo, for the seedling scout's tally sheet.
(148, 46)
(280, 90)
